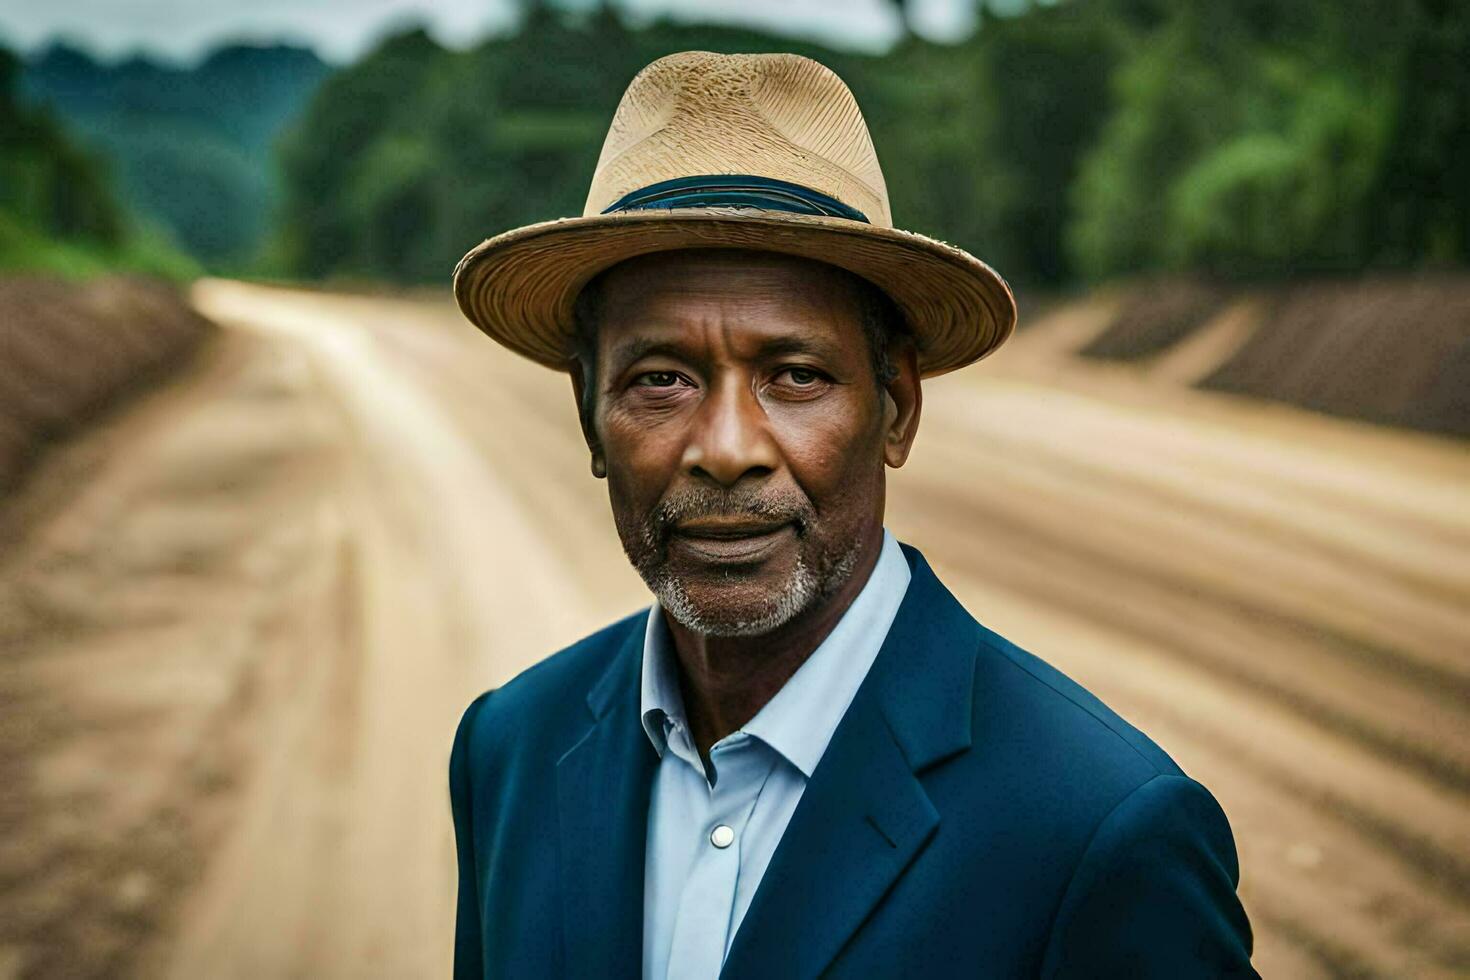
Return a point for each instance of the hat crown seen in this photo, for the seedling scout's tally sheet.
(778, 116)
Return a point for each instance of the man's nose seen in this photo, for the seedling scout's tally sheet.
(731, 438)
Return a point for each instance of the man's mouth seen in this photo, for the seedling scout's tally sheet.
(730, 540)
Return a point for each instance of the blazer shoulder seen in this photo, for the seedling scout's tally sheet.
(1075, 715)
(548, 689)
(1160, 873)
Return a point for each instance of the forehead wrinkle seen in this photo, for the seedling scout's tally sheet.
(717, 338)
(761, 324)
(715, 316)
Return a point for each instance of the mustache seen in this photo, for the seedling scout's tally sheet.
(690, 503)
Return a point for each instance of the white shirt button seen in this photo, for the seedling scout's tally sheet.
(722, 836)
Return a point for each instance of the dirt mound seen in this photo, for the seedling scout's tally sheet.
(1154, 316)
(69, 349)
(1391, 350)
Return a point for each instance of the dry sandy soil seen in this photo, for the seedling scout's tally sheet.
(239, 620)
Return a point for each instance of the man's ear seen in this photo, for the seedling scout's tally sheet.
(584, 418)
(902, 402)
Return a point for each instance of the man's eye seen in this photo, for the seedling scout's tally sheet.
(802, 377)
(658, 379)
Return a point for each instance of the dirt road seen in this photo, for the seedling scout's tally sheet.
(238, 623)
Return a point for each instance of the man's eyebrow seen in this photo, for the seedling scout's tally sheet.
(635, 349)
(779, 346)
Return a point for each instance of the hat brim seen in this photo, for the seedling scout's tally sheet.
(520, 287)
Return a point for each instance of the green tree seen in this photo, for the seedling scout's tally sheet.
(46, 181)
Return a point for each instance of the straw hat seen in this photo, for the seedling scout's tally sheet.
(756, 151)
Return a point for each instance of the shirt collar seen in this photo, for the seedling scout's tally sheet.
(661, 700)
(799, 720)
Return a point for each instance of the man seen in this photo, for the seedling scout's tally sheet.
(806, 758)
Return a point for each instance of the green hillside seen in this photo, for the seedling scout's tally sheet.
(192, 148)
(58, 209)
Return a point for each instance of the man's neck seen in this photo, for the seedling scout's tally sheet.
(726, 680)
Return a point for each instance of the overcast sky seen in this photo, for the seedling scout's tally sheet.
(341, 29)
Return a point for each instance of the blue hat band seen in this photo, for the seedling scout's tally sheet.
(740, 190)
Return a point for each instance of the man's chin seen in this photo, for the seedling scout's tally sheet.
(714, 607)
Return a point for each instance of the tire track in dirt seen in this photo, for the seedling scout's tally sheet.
(1275, 656)
(132, 604)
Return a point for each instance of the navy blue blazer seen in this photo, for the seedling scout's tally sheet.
(976, 814)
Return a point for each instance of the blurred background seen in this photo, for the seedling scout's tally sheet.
(272, 513)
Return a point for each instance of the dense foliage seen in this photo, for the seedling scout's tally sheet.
(1082, 139)
(1259, 137)
(1063, 140)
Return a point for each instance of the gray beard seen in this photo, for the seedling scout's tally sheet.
(803, 589)
(818, 573)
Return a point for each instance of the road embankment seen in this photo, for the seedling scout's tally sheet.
(69, 350)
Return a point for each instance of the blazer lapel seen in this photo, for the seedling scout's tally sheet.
(864, 816)
(603, 784)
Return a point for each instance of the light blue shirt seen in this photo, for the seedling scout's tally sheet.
(711, 837)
